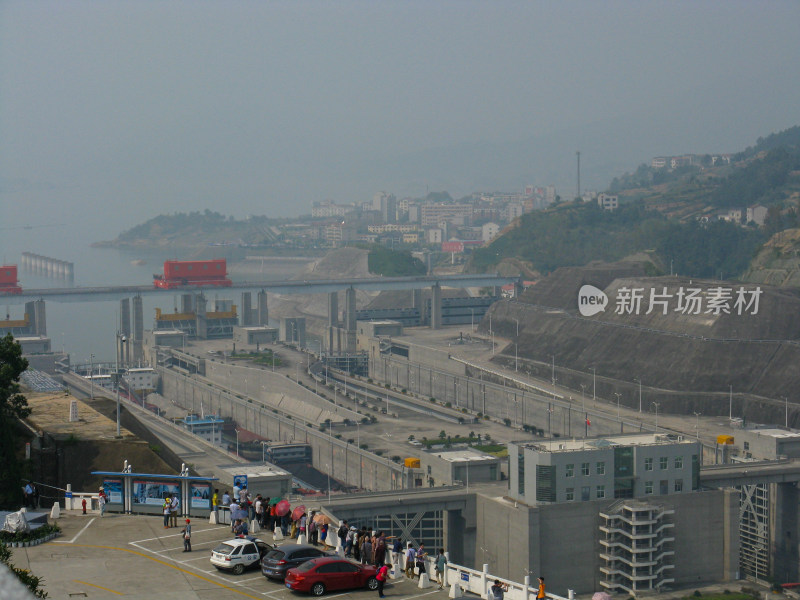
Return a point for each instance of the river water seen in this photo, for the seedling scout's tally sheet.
(86, 328)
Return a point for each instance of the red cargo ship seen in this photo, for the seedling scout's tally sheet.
(8, 280)
(179, 273)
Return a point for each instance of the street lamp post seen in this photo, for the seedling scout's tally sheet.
(594, 384)
(656, 404)
(264, 451)
(618, 395)
(697, 425)
(91, 374)
(237, 442)
(516, 347)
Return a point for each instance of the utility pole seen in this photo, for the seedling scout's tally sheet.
(91, 374)
(656, 404)
(594, 384)
(578, 155)
(697, 425)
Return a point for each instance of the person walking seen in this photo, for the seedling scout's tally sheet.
(366, 551)
(381, 576)
(411, 558)
(187, 536)
(380, 549)
(441, 564)
(540, 595)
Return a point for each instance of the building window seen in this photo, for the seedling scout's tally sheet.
(679, 485)
(648, 487)
(678, 462)
(601, 468)
(747, 445)
(570, 470)
(601, 491)
(585, 493)
(648, 464)
(584, 468)
(570, 494)
(663, 462)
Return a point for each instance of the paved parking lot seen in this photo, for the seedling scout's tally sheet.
(135, 557)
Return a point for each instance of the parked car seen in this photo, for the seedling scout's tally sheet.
(239, 554)
(279, 560)
(320, 575)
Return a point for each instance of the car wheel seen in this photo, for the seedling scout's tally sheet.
(318, 589)
(238, 569)
(372, 584)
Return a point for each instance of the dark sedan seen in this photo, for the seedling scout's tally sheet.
(330, 573)
(279, 560)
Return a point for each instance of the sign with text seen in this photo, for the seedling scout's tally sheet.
(685, 300)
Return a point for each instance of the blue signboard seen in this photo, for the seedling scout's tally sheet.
(240, 481)
(464, 576)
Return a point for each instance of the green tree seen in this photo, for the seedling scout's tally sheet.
(13, 406)
(442, 434)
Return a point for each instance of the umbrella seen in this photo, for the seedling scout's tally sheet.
(274, 500)
(298, 512)
(319, 519)
(282, 508)
(601, 596)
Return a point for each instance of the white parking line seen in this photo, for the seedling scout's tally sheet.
(161, 537)
(421, 595)
(77, 535)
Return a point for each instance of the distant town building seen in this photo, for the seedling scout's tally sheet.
(433, 214)
(608, 201)
(489, 231)
(329, 209)
(756, 214)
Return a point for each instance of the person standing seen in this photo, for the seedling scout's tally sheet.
(166, 510)
(366, 551)
(380, 549)
(234, 514)
(101, 503)
(323, 536)
(441, 564)
(421, 558)
(173, 511)
(215, 505)
(187, 537)
(381, 576)
(397, 554)
(312, 530)
(411, 557)
(226, 499)
(540, 595)
(498, 590)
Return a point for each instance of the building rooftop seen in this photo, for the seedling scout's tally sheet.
(251, 470)
(463, 455)
(639, 439)
(774, 432)
(207, 420)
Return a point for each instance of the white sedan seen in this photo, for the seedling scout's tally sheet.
(239, 554)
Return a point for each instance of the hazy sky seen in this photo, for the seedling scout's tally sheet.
(113, 112)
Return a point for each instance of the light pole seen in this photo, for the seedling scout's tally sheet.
(697, 425)
(120, 339)
(91, 374)
(786, 404)
(237, 442)
(594, 384)
(264, 451)
(656, 404)
(618, 395)
(583, 396)
(516, 348)
(640, 392)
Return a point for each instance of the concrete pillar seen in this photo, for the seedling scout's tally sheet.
(69, 274)
(418, 302)
(333, 309)
(138, 330)
(201, 322)
(41, 318)
(262, 312)
(187, 303)
(246, 315)
(436, 306)
(350, 309)
(30, 315)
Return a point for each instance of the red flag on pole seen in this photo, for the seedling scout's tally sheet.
(588, 422)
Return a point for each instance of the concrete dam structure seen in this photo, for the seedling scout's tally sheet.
(46, 266)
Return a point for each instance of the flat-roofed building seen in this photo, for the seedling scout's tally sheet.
(464, 465)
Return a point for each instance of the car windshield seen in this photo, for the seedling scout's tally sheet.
(307, 566)
(224, 548)
(275, 554)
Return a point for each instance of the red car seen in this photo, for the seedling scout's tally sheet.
(319, 575)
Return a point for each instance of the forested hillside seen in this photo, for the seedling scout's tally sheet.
(577, 233)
